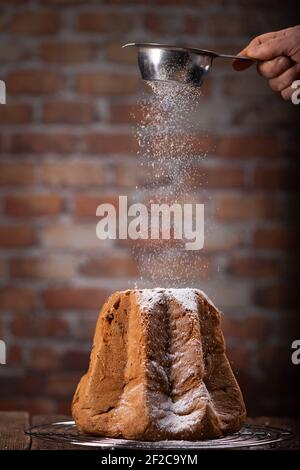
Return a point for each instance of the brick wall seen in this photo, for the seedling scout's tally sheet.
(67, 145)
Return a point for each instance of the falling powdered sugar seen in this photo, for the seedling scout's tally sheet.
(169, 149)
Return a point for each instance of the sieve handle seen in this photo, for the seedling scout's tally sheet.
(231, 56)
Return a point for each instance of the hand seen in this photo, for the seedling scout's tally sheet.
(278, 54)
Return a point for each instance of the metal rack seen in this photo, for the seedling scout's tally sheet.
(249, 436)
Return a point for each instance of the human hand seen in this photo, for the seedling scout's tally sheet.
(278, 55)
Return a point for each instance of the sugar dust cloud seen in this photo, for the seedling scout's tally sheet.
(169, 150)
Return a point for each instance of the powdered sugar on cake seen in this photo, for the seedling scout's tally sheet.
(185, 406)
(186, 297)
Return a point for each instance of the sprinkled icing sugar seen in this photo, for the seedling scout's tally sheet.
(169, 149)
(186, 297)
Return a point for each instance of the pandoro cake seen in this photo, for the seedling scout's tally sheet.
(158, 370)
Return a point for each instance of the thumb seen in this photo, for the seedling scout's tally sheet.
(268, 50)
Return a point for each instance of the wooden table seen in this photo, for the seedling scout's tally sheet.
(13, 424)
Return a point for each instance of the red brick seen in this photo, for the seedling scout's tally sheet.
(85, 206)
(16, 2)
(230, 25)
(276, 238)
(50, 267)
(238, 87)
(111, 266)
(53, 327)
(246, 207)
(254, 327)
(125, 113)
(66, 53)
(173, 269)
(131, 2)
(154, 23)
(35, 22)
(248, 146)
(78, 298)
(216, 177)
(12, 383)
(3, 143)
(2, 271)
(82, 237)
(104, 83)
(14, 236)
(33, 382)
(184, 145)
(33, 81)
(42, 143)
(71, 174)
(85, 327)
(193, 24)
(239, 357)
(62, 384)
(44, 358)
(15, 356)
(75, 360)
(15, 113)
(17, 299)
(63, 406)
(172, 2)
(276, 178)
(126, 176)
(94, 22)
(246, 266)
(71, 112)
(283, 296)
(12, 52)
(149, 245)
(65, 2)
(3, 23)
(107, 144)
(19, 174)
(126, 55)
(9, 404)
(25, 326)
(37, 406)
(33, 205)
(223, 238)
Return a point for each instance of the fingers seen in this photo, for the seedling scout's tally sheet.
(270, 49)
(285, 80)
(257, 49)
(261, 39)
(275, 67)
(278, 56)
(239, 64)
(287, 93)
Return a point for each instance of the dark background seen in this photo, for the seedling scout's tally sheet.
(67, 145)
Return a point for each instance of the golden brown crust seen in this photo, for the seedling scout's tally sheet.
(158, 370)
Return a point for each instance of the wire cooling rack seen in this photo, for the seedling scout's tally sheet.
(249, 436)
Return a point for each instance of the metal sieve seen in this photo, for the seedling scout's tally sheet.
(180, 64)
